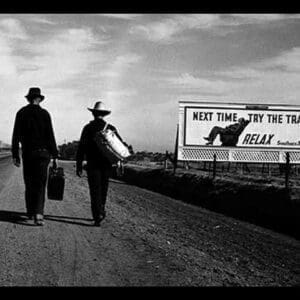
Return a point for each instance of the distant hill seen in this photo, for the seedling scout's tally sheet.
(4, 146)
(147, 156)
(68, 151)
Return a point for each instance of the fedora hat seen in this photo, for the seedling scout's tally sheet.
(34, 92)
(100, 108)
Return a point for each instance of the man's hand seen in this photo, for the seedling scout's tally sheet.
(130, 149)
(119, 169)
(54, 163)
(16, 162)
(79, 171)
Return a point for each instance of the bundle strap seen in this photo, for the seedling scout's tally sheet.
(105, 127)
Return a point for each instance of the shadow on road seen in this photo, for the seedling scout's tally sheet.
(14, 217)
(118, 181)
(69, 220)
(21, 218)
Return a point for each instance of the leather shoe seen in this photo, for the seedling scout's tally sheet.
(39, 220)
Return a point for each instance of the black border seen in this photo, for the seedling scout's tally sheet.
(229, 6)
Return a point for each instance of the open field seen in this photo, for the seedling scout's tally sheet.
(260, 200)
(4, 154)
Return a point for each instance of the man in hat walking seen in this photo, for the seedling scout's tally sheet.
(98, 166)
(33, 129)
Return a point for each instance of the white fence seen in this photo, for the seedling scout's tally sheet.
(237, 155)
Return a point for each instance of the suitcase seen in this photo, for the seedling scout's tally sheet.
(56, 183)
(111, 146)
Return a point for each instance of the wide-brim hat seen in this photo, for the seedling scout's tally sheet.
(34, 92)
(100, 108)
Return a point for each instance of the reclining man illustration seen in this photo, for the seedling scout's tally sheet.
(33, 129)
(229, 135)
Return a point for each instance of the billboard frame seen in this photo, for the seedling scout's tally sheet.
(188, 152)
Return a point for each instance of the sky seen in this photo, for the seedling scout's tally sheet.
(142, 65)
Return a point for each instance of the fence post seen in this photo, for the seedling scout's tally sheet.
(242, 169)
(287, 171)
(214, 166)
(176, 151)
(166, 160)
(263, 168)
(269, 170)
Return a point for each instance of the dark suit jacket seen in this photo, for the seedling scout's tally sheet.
(236, 128)
(33, 129)
(230, 136)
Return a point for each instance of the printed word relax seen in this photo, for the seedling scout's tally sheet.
(257, 139)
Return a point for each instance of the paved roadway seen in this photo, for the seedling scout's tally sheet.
(146, 239)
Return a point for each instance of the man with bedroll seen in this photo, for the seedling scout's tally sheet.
(98, 167)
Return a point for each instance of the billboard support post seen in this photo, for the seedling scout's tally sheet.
(166, 160)
(287, 171)
(214, 166)
(176, 150)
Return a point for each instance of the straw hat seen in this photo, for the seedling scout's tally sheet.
(100, 108)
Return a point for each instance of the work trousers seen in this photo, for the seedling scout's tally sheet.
(98, 179)
(215, 131)
(35, 172)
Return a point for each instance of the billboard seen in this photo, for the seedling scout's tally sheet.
(248, 131)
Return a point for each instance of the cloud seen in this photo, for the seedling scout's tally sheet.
(166, 30)
(282, 64)
(115, 68)
(289, 61)
(67, 54)
(190, 83)
(241, 19)
(120, 64)
(274, 79)
(8, 66)
(126, 60)
(121, 16)
(12, 28)
(42, 20)
(119, 94)
(114, 75)
(11, 33)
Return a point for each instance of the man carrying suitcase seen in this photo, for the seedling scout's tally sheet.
(33, 129)
(98, 166)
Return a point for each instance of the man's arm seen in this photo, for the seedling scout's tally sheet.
(16, 138)
(81, 151)
(51, 139)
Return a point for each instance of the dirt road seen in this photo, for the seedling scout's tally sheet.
(146, 239)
